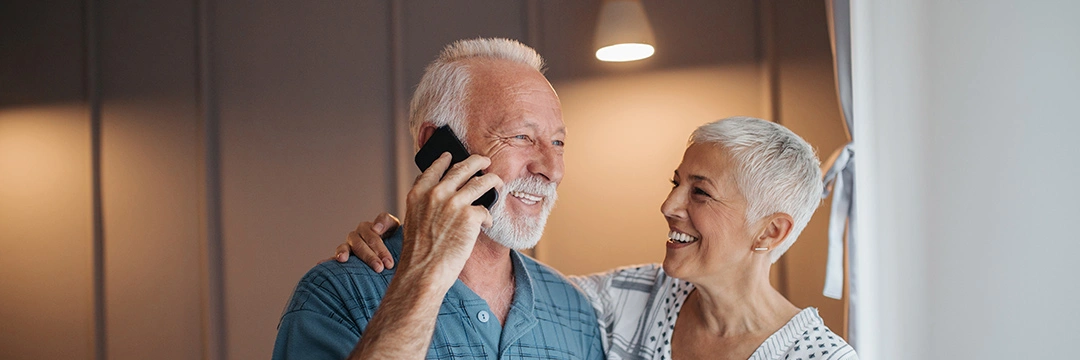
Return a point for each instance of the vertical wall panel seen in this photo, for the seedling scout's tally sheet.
(41, 49)
(150, 180)
(431, 25)
(46, 307)
(304, 109)
(46, 231)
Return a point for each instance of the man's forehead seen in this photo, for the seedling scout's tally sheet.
(511, 123)
(523, 102)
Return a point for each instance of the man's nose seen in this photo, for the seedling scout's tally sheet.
(548, 162)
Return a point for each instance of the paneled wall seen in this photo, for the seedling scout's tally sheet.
(47, 231)
(169, 170)
(303, 103)
(151, 178)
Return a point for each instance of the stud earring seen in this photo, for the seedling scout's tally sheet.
(761, 249)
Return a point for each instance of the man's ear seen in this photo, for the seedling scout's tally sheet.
(777, 227)
(426, 129)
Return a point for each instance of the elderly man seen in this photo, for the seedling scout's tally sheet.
(460, 290)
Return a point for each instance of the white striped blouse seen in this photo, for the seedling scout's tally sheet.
(637, 308)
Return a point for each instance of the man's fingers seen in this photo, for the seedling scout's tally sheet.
(476, 187)
(487, 219)
(462, 171)
(431, 176)
(428, 179)
(360, 249)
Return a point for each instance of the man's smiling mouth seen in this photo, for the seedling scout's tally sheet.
(528, 199)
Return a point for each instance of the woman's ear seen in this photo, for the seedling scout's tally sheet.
(777, 227)
(426, 129)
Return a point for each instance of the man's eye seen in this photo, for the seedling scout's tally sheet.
(558, 143)
(522, 137)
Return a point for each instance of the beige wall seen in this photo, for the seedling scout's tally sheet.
(305, 147)
(151, 181)
(626, 135)
(46, 227)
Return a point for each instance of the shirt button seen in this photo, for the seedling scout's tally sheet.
(482, 316)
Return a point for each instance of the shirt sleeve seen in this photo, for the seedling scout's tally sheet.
(305, 334)
(594, 287)
(597, 345)
(316, 324)
(599, 290)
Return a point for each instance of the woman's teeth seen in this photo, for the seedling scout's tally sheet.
(526, 198)
(679, 237)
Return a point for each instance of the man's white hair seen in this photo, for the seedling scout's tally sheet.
(776, 170)
(441, 96)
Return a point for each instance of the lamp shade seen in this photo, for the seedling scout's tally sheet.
(623, 32)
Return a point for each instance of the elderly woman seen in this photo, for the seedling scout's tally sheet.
(744, 191)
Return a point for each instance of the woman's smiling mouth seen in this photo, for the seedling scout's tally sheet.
(681, 238)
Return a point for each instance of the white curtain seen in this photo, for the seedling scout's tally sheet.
(840, 173)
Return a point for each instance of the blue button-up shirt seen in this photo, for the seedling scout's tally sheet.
(549, 318)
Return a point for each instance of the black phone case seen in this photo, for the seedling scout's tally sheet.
(444, 140)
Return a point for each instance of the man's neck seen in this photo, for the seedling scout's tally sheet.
(490, 274)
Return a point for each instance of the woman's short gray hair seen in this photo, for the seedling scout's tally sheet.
(441, 96)
(776, 170)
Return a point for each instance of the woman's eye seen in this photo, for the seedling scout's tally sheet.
(674, 183)
(698, 191)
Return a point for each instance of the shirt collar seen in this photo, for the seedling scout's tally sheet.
(522, 316)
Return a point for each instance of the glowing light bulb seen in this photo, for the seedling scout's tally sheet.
(624, 52)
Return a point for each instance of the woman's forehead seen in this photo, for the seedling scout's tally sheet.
(707, 160)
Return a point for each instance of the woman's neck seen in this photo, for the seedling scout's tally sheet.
(747, 305)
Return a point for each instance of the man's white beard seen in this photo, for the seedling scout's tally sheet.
(522, 232)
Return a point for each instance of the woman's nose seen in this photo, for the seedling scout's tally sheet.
(673, 206)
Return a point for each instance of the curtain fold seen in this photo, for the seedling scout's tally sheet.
(840, 174)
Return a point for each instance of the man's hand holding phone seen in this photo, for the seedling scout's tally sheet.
(443, 140)
(441, 226)
(441, 223)
(366, 241)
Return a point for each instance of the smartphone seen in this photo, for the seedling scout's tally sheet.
(444, 140)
